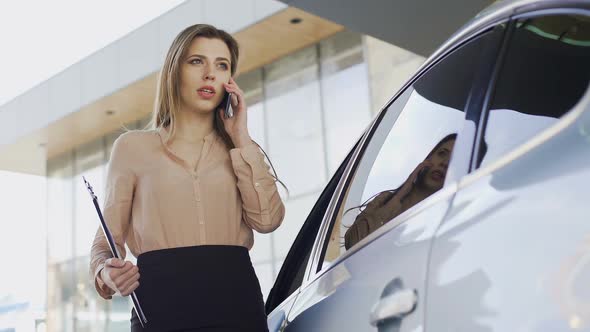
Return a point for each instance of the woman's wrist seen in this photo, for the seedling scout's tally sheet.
(241, 140)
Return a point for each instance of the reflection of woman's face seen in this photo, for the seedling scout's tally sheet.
(435, 177)
(203, 70)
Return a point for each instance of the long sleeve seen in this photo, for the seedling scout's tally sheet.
(263, 209)
(116, 211)
(367, 221)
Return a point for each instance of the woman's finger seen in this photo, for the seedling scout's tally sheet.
(130, 289)
(422, 166)
(237, 86)
(129, 282)
(240, 100)
(234, 100)
(237, 97)
(233, 89)
(221, 112)
(121, 279)
(114, 262)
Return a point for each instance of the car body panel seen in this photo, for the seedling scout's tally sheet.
(434, 251)
(342, 298)
(514, 252)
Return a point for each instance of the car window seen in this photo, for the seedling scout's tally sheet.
(545, 72)
(294, 267)
(408, 156)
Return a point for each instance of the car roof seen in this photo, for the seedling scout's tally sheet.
(501, 11)
(495, 13)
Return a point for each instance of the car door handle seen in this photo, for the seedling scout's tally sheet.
(397, 305)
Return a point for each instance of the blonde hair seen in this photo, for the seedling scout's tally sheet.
(167, 102)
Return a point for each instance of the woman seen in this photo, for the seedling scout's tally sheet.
(427, 178)
(186, 196)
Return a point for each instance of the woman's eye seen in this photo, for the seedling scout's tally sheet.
(196, 61)
(223, 66)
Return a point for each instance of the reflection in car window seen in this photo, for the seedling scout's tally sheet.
(410, 166)
(545, 73)
(427, 178)
(407, 158)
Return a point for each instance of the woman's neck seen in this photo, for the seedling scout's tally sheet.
(193, 126)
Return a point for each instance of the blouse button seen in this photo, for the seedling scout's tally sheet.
(257, 184)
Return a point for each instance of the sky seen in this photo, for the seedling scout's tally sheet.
(42, 38)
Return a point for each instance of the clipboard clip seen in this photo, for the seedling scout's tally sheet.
(89, 187)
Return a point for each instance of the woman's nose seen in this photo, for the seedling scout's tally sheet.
(209, 76)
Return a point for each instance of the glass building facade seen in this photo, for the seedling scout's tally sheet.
(306, 110)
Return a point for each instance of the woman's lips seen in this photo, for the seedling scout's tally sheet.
(205, 93)
(437, 176)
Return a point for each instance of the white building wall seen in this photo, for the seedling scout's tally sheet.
(138, 54)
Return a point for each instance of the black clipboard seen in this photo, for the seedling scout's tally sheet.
(114, 250)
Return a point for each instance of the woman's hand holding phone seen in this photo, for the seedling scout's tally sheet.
(416, 176)
(237, 125)
(227, 110)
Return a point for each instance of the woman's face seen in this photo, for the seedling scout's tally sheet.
(435, 176)
(203, 70)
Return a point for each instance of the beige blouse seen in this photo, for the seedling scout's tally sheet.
(154, 200)
(377, 213)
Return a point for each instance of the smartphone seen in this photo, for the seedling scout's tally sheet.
(421, 175)
(227, 110)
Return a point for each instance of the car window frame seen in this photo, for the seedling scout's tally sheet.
(466, 135)
(284, 273)
(520, 14)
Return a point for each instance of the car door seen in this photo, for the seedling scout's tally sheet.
(514, 252)
(296, 266)
(376, 280)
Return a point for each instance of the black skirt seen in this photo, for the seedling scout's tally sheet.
(200, 288)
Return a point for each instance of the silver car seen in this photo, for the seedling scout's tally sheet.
(465, 206)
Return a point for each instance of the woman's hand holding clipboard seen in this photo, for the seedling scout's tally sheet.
(114, 251)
